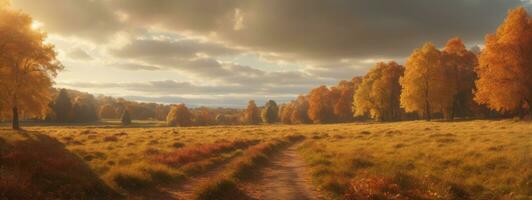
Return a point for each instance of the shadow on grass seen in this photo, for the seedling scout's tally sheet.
(36, 166)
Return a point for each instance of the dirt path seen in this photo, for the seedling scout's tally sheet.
(286, 178)
(187, 189)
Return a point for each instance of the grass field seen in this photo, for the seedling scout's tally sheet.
(403, 160)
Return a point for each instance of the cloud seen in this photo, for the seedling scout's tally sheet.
(199, 59)
(325, 29)
(310, 29)
(171, 87)
(87, 19)
(134, 66)
(79, 54)
(183, 48)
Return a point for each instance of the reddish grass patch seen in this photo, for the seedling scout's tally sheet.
(382, 188)
(197, 152)
(110, 139)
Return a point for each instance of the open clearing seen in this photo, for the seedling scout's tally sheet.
(415, 160)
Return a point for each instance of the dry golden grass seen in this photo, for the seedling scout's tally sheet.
(417, 159)
(426, 160)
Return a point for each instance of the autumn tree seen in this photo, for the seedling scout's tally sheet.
(62, 107)
(321, 105)
(203, 117)
(269, 112)
(161, 111)
(505, 66)
(343, 99)
(179, 115)
(426, 84)
(125, 118)
(299, 110)
(252, 113)
(460, 64)
(27, 67)
(84, 109)
(107, 111)
(286, 112)
(378, 94)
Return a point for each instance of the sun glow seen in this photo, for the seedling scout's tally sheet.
(36, 24)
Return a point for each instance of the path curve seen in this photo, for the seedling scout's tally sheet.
(187, 189)
(286, 178)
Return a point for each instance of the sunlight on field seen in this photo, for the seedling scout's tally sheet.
(461, 160)
(439, 160)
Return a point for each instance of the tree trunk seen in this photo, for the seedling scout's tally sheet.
(427, 103)
(454, 108)
(15, 122)
(427, 110)
(525, 110)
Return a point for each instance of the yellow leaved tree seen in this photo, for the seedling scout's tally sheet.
(378, 94)
(426, 85)
(27, 67)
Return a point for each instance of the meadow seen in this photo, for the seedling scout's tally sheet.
(401, 160)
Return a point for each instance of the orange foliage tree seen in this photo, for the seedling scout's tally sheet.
(179, 115)
(342, 96)
(27, 67)
(252, 113)
(203, 117)
(108, 112)
(378, 94)
(300, 108)
(285, 113)
(321, 105)
(505, 66)
(426, 83)
(460, 63)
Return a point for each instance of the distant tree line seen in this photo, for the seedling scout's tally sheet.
(71, 106)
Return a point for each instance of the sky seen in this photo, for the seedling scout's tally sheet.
(226, 52)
